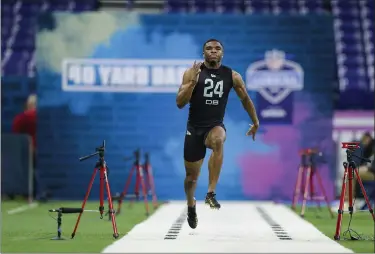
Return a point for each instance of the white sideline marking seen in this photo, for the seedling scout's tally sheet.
(22, 208)
(237, 227)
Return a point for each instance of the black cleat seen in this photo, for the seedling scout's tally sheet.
(192, 217)
(211, 201)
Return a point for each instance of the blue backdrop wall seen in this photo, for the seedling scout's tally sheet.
(114, 76)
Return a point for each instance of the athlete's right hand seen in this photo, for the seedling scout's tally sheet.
(194, 71)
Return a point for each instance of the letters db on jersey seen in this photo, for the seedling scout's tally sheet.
(123, 75)
(275, 78)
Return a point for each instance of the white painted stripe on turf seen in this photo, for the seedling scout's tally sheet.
(234, 222)
(22, 208)
(157, 225)
(302, 230)
(236, 227)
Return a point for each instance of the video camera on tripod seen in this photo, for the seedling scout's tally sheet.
(354, 159)
(307, 171)
(354, 154)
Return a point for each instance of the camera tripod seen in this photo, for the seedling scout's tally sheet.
(151, 184)
(143, 177)
(100, 166)
(309, 169)
(351, 170)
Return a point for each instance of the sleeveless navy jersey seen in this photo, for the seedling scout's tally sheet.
(210, 96)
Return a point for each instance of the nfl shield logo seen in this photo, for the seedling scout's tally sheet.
(275, 77)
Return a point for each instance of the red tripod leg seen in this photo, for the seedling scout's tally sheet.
(312, 187)
(136, 187)
(125, 191)
(297, 188)
(101, 193)
(364, 194)
(144, 191)
(84, 201)
(324, 192)
(350, 189)
(306, 191)
(103, 171)
(147, 179)
(341, 206)
(152, 185)
(137, 182)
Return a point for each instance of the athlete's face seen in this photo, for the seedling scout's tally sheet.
(213, 52)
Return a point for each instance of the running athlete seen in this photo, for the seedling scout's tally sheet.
(206, 87)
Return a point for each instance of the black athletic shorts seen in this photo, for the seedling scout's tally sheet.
(194, 147)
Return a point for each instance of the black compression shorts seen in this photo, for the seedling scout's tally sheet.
(195, 137)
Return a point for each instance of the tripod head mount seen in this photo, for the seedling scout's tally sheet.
(353, 150)
(312, 156)
(135, 157)
(99, 151)
(309, 151)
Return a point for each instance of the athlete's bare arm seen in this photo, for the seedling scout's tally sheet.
(240, 88)
(189, 80)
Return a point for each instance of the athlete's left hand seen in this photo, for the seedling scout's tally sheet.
(253, 129)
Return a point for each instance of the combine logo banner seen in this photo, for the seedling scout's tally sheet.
(130, 75)
(275, 78)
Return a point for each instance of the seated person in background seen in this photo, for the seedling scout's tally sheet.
(366, 173)
(367, 144)
(366, 170)
(25, 123)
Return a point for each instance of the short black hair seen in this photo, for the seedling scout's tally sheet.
(367, 134)
(209, 40)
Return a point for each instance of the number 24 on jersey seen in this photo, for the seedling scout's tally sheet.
(212, 89)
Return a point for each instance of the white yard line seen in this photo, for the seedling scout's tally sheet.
(241, 227)
(22, 208)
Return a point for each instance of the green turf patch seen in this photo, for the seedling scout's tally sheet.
(361, 222)
(31, 230)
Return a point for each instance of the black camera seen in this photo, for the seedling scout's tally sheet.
(315, 156)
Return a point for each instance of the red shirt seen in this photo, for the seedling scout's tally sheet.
(25, 123)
